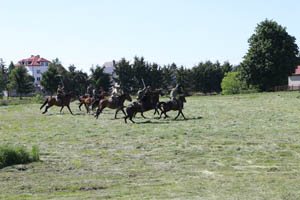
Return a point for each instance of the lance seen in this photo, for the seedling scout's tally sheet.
(143, 83)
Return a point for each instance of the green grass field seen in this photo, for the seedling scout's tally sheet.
(231, 147)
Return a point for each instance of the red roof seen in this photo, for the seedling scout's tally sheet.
(33, 61)
(297, 72)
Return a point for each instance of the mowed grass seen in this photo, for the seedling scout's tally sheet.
(231, 147)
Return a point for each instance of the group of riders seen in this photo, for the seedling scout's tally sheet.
(116, 92)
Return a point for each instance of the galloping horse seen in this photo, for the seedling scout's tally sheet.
(81, 100)
(148, 102)
(107, 103)
(154, 94)
(88, 101)
(53, 101)
(170, 105)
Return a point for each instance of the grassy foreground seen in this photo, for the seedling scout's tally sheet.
(232, 147)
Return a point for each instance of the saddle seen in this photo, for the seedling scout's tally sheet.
(113, 100)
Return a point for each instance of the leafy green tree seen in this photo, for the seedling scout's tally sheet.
(99, 79)
(155, 76)
(3, 76)
(75, 80)
(169, 76)
(11, 67)
(183, 77)
(231, 83)
(271, 57)
(141, 70)
(207, 77)
(21, 80)
(51, 79)
(124, 75)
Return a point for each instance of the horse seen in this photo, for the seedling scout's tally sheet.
(81, 100)
(170, 105)
(87, 101)
(148, 102)
(66, 99)
(112, 105)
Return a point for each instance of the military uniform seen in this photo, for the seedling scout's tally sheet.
(115, 94)
(60, 94)
(89, 91)
(141, 93)
(174, 93)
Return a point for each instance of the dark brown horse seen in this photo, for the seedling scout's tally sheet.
(51, 101)
(112, 105)
(170, 105)
(150, 101)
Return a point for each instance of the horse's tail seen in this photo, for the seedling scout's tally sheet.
(44, 104)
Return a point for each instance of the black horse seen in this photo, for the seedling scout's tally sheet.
(148, 102)
(171, 105)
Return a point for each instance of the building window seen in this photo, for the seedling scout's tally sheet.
(38, 78)
(38, 71)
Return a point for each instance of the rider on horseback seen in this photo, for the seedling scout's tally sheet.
(173, 94)
(60, 94)
(89, 90)
(116, 93)
(141, 92)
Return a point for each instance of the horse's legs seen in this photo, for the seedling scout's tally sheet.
(46, 109)
(99, 110)
(123, 111)
(87, 108)
(80, 106)
(177, 114)
(156, 111)
(182, 114)
(143, 115)
(117, 110)
(130, 118)
(61, 109)
(69, 109)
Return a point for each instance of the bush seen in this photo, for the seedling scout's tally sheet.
(231, 83)
(17, 155)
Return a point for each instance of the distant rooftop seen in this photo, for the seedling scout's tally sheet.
(33, 61)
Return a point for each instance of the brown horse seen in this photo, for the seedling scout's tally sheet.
(53, 101)
(170, 105)
(149, 101)
(107, 103)
(87, 101)
(81, 100)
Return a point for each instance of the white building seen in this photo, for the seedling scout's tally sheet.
(294, 79)
(35, 66)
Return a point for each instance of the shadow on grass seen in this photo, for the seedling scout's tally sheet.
(155, 122)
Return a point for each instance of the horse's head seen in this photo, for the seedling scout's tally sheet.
(127, 97)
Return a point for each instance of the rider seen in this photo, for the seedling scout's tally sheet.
(141, 93)
(174, 92)
(116, 93)
(60, 93)
(95, 93)
(89, 90)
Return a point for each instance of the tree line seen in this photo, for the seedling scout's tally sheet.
(272, 56)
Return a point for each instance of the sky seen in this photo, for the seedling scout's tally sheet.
(91, 32)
